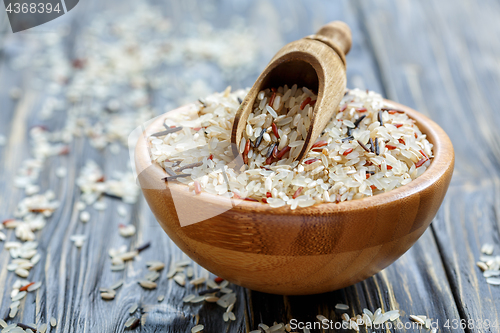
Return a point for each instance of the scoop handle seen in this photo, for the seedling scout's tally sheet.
(337, 33)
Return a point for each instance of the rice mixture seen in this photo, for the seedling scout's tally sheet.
(367, 148)
(278, 125)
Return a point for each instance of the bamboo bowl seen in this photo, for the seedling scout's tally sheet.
(304, 251)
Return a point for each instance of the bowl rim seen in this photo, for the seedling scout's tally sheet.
(442, 161)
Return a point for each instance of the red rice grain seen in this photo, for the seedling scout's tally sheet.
(275, 130)
(283, 152)
(311, 161)
(197, 187)
(305, 102)
(347, 152)
(321, 143)
(297, 193)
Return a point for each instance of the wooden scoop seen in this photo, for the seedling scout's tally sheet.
(316, 62)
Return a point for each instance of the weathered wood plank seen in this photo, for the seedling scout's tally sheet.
(417, 282)
(440, 60)
(71, 277)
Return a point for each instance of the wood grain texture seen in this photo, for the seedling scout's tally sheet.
(441, 58)
(336, 245)
(436, 64)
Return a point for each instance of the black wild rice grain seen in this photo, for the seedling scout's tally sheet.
(143, 247)
(251, 143)
(170, 171)
(189, 166)
(182, 175)
(371, 145)
(240, 100)
(112, 196)
(377, 147)
(363, 146)
(349, 131)
(360, 119)
(259, 139)
(202, 103)
(348, 138)
(168, 131)
(270, 151)
(208, 291)
(176, 163)
(380, 118)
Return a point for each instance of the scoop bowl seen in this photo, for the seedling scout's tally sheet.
(304, 251)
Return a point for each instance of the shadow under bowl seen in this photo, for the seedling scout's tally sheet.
(303, 251)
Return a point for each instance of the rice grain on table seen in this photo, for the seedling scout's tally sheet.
(190, 272)
(321, 317)
(156, 266)
(417, 319)
(148, 284)
(152, 276)
(130, 321)
(197, 328)
(183, 263)
(493, 281)
(367, 320)
(128, 255)
(487, 248)
(133, 308)
(340, 306)
(355, 156)
(489, 265)
(84, 216)
(211, 299)
(198, 299)
(107, 296)
(180, 279)
(117, 284)
(126, 230)
(42, 328)
(198, 281)
(188, 298)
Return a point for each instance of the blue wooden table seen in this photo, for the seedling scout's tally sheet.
(441, 58)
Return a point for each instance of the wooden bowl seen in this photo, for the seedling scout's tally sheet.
(304, 251)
